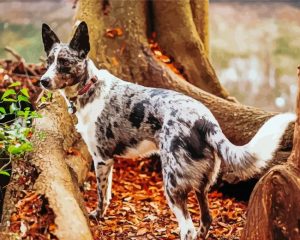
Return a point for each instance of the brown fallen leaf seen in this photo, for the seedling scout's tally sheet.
(113, 32)
(141, 231)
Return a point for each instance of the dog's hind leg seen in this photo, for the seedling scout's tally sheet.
(109, 186)
(207, 179)
(206, 218)
(177, 200)
(103, 171)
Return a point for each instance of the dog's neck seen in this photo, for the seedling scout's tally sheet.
(74, 93)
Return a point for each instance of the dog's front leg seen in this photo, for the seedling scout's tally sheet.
(103, 169)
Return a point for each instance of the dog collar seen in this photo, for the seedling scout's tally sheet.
(72, 108)
(87, 86)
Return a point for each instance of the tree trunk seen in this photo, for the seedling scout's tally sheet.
(274, 210)
(133, 17)
(47, 172)
(200, 11)
(128, 57)
(187, 47)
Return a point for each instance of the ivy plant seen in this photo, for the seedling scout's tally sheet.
(15, 124)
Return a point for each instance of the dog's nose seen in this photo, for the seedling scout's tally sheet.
(45, 82)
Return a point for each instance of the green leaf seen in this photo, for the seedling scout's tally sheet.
(15, 84)
(20, 113)
(7, 93)
(2, 136)
(43, 99)
(14, 149)
(2, 172)
(26, 114)
(23, 98)
(26, 131)
(9, 100)
(20, 148)
(26, 147)
(25, 92)
(2, 110)
(34, 114)
(13, 108)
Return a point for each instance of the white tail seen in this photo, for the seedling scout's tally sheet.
(250, 159)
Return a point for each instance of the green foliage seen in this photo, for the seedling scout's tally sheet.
(46, 98)
(15, 132)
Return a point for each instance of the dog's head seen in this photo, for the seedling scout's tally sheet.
(67, 63)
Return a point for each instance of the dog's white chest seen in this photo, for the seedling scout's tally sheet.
(86, 130)
(86, 126)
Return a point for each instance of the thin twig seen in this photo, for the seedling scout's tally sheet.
(24, 75)
(22, 61)
(6, 164)
(40, 96)
(7, 122)
(14, 54)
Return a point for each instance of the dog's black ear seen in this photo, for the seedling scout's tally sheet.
(49, 38)
(80, 41)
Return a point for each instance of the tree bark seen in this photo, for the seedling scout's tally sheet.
(47, 172)
(133, 18)
(181, 40)
(274, 211)
(128, 57)
(200, 11)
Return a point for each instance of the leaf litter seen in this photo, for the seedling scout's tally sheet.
(138, 209)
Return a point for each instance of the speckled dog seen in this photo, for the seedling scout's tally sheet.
(115, 116)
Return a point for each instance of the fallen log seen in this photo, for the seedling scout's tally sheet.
(54, 169)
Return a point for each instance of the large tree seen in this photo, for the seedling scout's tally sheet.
(119, 33)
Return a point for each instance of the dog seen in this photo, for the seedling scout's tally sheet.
(115, 117)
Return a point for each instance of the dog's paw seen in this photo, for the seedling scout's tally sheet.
(189, 234)
(96, 214)
(99, 213)
(202, 233)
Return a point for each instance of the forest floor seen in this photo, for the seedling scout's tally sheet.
(138, 209)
